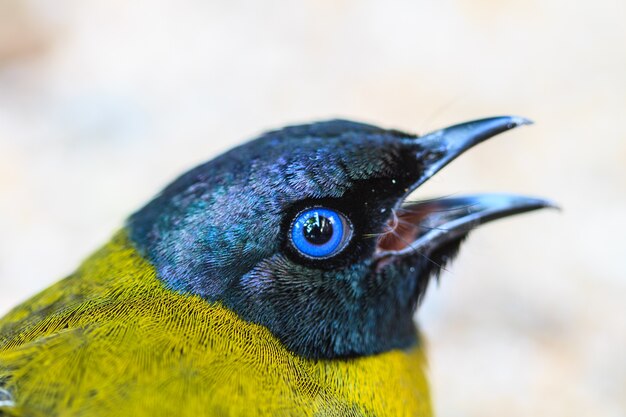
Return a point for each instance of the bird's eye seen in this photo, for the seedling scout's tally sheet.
(320, 232)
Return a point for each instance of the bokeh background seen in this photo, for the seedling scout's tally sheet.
(103, 102)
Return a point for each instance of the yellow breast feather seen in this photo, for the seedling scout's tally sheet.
(112, 340)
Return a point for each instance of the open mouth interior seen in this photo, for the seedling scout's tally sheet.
(426, 224)
(413, 220)
(402, 229)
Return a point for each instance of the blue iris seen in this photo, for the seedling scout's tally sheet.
(320, 232)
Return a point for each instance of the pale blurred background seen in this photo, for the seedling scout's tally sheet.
(103, 102)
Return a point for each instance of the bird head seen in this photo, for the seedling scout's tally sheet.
(306, 231)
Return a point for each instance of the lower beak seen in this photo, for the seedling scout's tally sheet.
(425, 226)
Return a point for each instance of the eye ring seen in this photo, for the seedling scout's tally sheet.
(320, 232)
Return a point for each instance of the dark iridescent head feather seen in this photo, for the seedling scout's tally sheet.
(221, 231)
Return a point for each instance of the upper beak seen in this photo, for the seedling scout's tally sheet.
(435, 150)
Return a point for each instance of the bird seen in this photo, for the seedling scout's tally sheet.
(280, 278)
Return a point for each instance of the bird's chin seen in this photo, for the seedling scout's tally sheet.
(425, 227)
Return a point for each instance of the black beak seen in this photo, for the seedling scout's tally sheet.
(437, 149)
(446, 219)
(427, 225)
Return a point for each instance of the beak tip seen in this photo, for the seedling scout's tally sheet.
(553, 205)
(516, 121)
(541, 203)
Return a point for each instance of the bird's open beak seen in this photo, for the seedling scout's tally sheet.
(426, 225)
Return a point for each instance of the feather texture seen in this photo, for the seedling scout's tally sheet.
(112, 340)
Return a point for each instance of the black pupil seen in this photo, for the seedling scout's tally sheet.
(318, 229)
